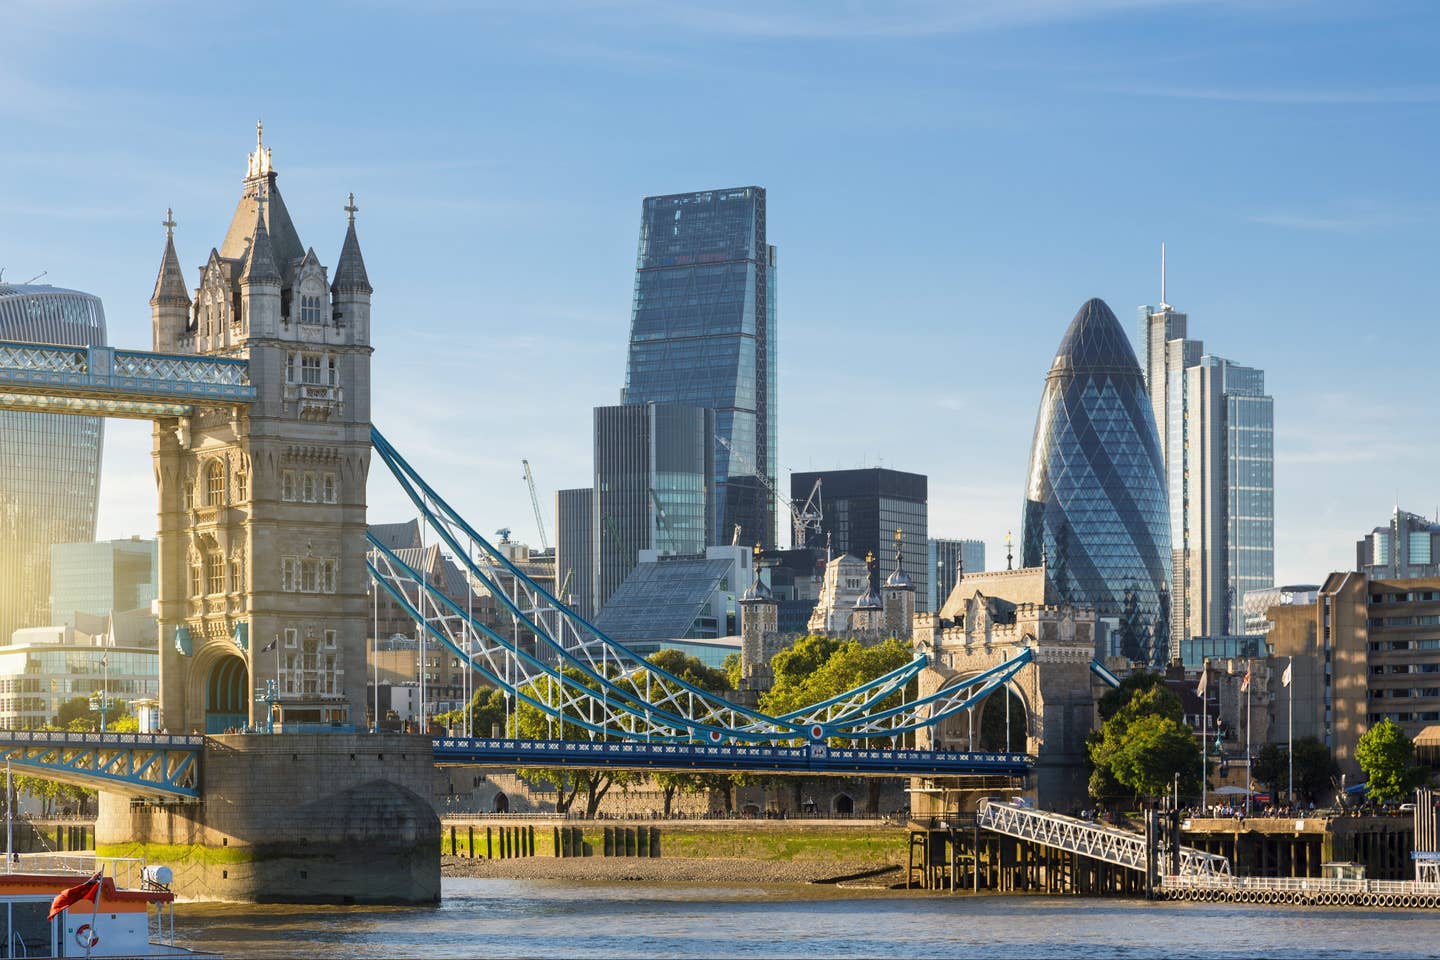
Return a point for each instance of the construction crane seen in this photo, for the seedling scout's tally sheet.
(535, 503)
(804, 517)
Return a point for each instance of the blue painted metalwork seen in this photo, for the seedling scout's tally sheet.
(1104, 673)
(121, 383)
(619, 695)
(183, 644)
(136, 764)
(809, 759)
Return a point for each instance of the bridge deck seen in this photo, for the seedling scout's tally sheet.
(103, 381)
(811, 759)
(136, 764)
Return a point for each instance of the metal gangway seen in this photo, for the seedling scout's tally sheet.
(1096, 840)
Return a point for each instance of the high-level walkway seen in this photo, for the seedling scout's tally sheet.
(1108, 844)
(133, 764)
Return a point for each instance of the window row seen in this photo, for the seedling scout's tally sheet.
(307, 486)
(214, 487)
(209, 576)
(312, 369)
(308, 574)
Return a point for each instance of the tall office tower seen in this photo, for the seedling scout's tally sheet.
(1231, 517)
(111, 576)
(1407, 546)
(702, 334)
(943, 558)
(49, 463)
(1095, 514)
(864, 508)
(574, 549)
(1167, 354)
(652, 463)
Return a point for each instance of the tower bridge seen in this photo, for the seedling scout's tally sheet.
(258, 386)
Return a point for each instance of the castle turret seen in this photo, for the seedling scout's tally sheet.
(170, 304)
(260, 283)
(351, 290)
(759, 631)
(869, 613)
(898, 596)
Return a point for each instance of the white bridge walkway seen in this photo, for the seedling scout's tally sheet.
(1096, 840)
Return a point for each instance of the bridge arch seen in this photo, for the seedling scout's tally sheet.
(225, 693)
(989, 721)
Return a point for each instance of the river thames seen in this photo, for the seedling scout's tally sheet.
(565, 919)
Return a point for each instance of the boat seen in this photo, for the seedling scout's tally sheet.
(133, 915)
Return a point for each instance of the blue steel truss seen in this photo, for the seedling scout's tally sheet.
(815, 758)
(584, 679)
(103, 381)
(135, 764)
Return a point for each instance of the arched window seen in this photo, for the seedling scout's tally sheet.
(215, 483)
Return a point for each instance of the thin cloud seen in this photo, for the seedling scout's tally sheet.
(1373, 96)
(1360, 221)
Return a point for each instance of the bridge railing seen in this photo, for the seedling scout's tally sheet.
(1096, 840)
(169, 740)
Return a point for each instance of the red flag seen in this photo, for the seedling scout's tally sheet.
(84, 890)
(1245, 684)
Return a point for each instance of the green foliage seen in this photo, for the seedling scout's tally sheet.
(1137, 682)
(1143, 743)
(1315, 769)
(485, 712)
(731, 667)
(818, 668)
(1387, 755)
(77, 716)
(693, 671)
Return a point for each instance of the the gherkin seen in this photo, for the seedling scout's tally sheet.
(1095, 507)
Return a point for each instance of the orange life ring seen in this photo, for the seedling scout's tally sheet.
(86, 937)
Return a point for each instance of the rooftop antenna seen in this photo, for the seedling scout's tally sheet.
(1164, 305)
(37, 276)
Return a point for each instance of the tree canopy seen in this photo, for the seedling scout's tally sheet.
(817, 668)
(1387, 755)
(1315, 768)
(1142, 743)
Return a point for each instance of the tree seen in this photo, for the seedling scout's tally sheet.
(487, 710)
(1387, 755)
(1142, 743)
(732, 667)
(1315, 768)
(817, 668)
(532, 723)
(694, 672)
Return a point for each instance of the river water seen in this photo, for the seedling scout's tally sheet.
(566, 919)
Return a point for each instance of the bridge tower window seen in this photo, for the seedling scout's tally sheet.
(309, 308)
(215, 484)
(215, 570)
(287, 485)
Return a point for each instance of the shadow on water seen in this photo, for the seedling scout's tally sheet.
(509, 918)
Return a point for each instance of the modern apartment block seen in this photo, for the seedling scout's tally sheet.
(49, 462)
(702, 334)
(864, 508)
(653, 463)
(1365, 649)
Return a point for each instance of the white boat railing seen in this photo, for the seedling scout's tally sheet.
(1306, 885)
(127, 873)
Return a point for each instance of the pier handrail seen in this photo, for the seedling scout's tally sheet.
(1096, 840)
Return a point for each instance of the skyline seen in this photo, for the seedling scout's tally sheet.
(1272, 259)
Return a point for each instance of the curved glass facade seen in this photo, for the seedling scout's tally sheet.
(1095, 507)
(49, 463)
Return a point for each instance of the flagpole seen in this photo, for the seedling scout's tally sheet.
(1290, 749)
(95, 910)
(1247, 739)
(1204, 736)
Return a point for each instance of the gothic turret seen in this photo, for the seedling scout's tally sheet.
(351, 290)
(759, 631)
(898, 595)
(260, 282)
(170, 304)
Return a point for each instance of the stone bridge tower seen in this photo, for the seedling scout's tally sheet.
(1051, 702)
(262, 582)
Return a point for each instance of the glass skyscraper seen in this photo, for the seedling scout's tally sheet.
(702, 334)
(1230, 534)
(1095, 510)
(49, 463)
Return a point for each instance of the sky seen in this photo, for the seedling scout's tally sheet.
(947, 183)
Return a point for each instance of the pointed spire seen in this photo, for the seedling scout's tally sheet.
(350, 275)
(170, 284)
(260, 261)
(258, 164)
